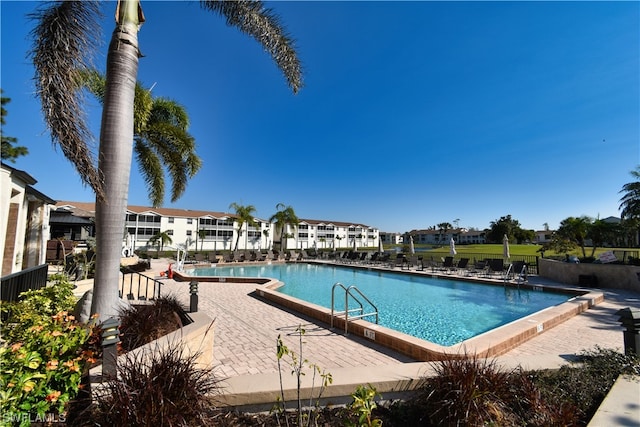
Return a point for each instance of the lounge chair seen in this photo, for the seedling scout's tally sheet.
(447, 264)
(228, 257)
(212, 257)
(384, 258)
(411, 262)
(461, 265)
(478, 268)
(496, 266)
(400, 260)
(518, 271)
(374, 258)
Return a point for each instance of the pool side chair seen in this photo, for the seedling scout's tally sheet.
(399, 261)
(447, 265)
(518, 271)
(411, 262)
(462, 265)
(478, 268)
(496, 267)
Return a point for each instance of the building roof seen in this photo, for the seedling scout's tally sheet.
(89, 209)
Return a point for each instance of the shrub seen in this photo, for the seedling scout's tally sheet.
(42, 359)
(142, 324)
(161, 387)
(587, 382)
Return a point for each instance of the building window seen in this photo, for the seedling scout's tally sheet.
(188, 232)
(170, 232)
(189, 220)
(171, 219)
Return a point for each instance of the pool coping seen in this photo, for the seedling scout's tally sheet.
(488, 344)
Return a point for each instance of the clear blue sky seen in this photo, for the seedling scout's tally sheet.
(412, 114)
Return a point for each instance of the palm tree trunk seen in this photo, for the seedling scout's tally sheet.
(114, 163)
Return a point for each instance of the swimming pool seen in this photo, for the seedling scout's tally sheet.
(441, 311)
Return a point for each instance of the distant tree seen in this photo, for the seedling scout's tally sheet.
(160, 239)
(202, 234)
(630, 207)
(630, 201)
(10, 152)
(601, 233)
(576, 230)
(284, 216)
(443, 227)
(244, 215)
(500, 227)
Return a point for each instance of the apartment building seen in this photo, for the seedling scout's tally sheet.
(214, 231)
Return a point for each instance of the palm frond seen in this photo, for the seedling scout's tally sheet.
(253, 19)
(151, 170)
(64, 39)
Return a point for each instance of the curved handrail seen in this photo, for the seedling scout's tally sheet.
(348, 293)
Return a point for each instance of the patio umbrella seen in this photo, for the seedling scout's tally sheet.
(452, 247)
(380, 245)
(412, 248)
(355, 245)
(505, 247)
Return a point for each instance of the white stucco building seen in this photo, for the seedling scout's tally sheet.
(24, 221)
(215, 231)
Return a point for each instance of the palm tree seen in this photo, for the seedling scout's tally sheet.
(285, 216)
(630, 201)
(575, 230)
(244, 214)
(160, 239)
(65, 37)
(202, 234)
(444, 227)
(160, 137)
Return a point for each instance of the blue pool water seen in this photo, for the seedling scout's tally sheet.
(441, 311)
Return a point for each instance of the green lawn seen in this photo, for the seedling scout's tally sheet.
(496, 249)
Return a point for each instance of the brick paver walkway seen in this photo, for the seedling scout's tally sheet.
(246, 330)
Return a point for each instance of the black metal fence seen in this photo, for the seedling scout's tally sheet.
(12, 285)
(137, 286)
(530, 260)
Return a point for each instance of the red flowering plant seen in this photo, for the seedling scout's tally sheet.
(43, 354)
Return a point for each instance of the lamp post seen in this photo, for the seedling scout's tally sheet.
(110, 337)
(193, 290)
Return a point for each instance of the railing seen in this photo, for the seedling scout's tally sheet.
(142, 284)
(12, 285)
(347, 313)
(530, 260)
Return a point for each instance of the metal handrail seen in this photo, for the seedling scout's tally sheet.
(348, 293)
(142, 280)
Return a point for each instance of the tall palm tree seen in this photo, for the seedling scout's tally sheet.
(64, 39)
(202, 234)
(244, 214)
(160, 239)
(285, 216)
(444, 227)
(160, 138)
(630, 201)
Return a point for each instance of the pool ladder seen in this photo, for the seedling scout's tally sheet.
(354, 313)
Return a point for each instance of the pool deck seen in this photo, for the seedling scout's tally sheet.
(246, 330)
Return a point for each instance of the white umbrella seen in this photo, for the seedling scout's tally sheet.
(452, 247)
(505, 247)
(412, 248)
(380, 245)
(355, 244)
